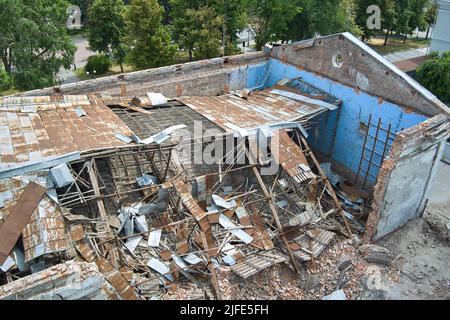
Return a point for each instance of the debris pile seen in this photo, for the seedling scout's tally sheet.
(149, 223)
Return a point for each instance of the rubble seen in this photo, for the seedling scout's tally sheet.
(150, 225)
(376, 254)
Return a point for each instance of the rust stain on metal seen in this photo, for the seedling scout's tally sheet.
(259, 108)
(49, 128)
(116, 279)
(292, 158)
(198, 213)
(11, 229)
(45, 233)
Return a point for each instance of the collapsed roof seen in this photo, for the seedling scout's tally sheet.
(142, 194)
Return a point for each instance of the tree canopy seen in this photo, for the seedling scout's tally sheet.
(150, 42)
(34, 41)
(270, 19)
(321, 17)
(434, 74)
(107, 28)
(198, 32)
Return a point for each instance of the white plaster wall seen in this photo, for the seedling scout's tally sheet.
(408, 184)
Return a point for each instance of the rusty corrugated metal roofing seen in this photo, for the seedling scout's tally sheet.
(292, 158)
(54, 128)
(45, 232)
(259, 108)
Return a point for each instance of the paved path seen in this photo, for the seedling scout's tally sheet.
(405, 55)
(81, 56)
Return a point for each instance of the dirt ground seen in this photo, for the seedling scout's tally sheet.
(422, 267)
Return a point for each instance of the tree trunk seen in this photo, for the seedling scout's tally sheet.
(386, 37)
(404, 38)
(121, 66)
(190, 54)
(9, 69)
(6, 59)
(428, 30)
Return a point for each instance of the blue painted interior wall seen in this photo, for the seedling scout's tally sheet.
(255, 74)
(355, 110)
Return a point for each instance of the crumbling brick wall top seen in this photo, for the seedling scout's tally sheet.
(345, 59)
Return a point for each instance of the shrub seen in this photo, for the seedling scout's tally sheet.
(434, 74)
(98, 64)
(5, 80)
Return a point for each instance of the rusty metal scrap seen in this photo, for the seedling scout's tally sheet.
(258, 262)
(45, 232)
(259, 108)
(292, 159)
(61, 281)
(117, 280)
(11, 229)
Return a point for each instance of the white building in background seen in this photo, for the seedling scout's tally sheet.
(440, 38)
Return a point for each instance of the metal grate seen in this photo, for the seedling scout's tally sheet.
(375, 149)
(313, 91)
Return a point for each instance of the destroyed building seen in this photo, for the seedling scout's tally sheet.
(101, 196)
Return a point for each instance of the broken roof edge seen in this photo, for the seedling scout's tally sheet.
(9, 102)
(413, 83)
(140, 75)
(45, 163)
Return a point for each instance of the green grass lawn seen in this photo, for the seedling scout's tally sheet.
(115, 69)
(395, 43)
(8, 92)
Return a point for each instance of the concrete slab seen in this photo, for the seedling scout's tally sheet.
(440, 189)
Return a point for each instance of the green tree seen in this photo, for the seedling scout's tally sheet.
(388, 17)
(34, 40)
(362, 16)
(107, 28)
(12, 10)
(322, 17)
(150, 41)
(199, 32)
(233, 13)
(418, 16)
(5, 80)
(434, 74)
(430, 15)
(235, 19)
(270, 19)
(404, 14)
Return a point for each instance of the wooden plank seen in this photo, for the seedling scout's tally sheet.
(102, 210)
(16, 221)
(329, 187)
(273, 210)
(212, 270)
